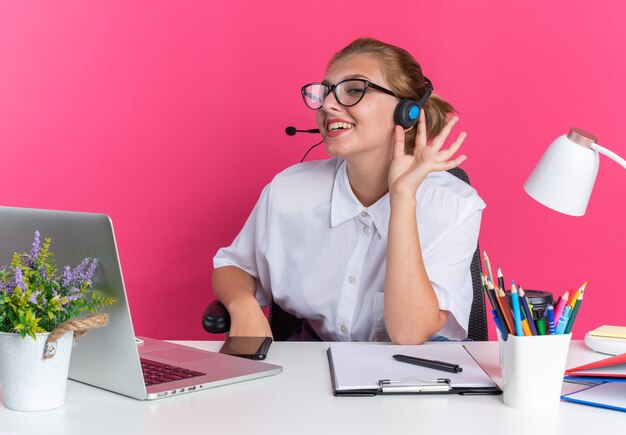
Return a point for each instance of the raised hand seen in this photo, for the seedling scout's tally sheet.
(407, 172)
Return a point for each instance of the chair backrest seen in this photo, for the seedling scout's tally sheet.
(477, 328)
(284, 324)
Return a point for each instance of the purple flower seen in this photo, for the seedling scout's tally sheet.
(79, 271)
(68, 277)
(34, 252)
(19, 279)
(73, 297)
(91, 271)
(33, 298)
(5, 287)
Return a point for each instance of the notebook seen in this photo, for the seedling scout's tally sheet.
(609, 395)
(607, 378)
(109, 357)
(359, 369)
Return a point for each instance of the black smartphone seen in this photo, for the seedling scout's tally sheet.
(247, 347)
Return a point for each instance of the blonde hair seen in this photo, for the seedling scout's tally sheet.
(405, 78)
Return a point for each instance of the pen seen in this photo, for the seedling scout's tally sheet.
(431, 364)
(551, 323)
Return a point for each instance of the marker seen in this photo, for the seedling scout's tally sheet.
(558, 311)
(541, 326)
(560, 327)
(551, 324)
(517, 315)
(431, 364)
(572, 318)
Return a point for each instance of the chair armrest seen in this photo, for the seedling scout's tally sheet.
(215, 318)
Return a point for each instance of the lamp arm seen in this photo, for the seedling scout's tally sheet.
(609, 154)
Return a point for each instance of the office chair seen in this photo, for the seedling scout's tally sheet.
(216, 319)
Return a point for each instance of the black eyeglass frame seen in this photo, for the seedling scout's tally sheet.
(332, 88)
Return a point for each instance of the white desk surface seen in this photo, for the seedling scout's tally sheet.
(300, 401)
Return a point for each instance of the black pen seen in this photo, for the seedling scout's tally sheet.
(431, 364)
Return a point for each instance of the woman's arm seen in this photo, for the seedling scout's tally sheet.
(412, 313)
(236, 289)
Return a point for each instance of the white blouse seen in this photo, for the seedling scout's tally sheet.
(320, 254)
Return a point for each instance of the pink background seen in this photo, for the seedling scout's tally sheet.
(169, 116)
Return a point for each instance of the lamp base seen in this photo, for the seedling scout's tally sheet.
(610, 346)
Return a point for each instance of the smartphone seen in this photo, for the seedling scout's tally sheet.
(247, 347)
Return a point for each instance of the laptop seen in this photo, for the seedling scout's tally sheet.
(110, 357)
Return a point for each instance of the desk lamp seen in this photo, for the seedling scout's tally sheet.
(563, 180)
(564, 176)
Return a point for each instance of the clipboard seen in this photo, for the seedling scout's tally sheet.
(368, 369)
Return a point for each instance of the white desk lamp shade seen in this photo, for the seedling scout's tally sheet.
(564, 177)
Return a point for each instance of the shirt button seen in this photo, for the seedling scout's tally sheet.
(344, 328)
(352, 279)
(364, 214)
(366, 230)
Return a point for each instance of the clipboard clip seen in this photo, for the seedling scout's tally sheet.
(401, 385)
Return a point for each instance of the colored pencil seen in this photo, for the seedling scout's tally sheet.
(575, 296)
(487, 267)
(572, 317)
(505, 308)
(517, 315)
(526, 308)
(500, 278)
(495, 305)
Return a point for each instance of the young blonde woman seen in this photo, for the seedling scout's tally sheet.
(375, 243)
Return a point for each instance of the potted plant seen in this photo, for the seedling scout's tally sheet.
(40, 316)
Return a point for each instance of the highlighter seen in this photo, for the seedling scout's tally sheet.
(560, 327)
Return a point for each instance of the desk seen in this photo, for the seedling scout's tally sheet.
(300, 401)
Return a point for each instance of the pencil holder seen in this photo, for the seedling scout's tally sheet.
(533, 369)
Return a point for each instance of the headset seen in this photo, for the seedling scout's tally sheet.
(408, 111)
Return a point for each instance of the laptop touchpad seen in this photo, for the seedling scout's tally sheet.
(180, 355)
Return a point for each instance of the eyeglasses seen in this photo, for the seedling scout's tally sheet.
(347, 92)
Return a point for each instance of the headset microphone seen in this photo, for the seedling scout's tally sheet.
(291, 131)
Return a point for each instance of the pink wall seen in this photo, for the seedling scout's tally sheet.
(169, 116)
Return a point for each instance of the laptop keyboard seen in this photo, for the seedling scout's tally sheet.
(158, 373)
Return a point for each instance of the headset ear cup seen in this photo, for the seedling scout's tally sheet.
(407, 113)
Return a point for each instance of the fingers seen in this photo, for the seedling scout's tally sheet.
(456, 162)
(398, 143)
(454, 147)
(421, 136)
(438, 141)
